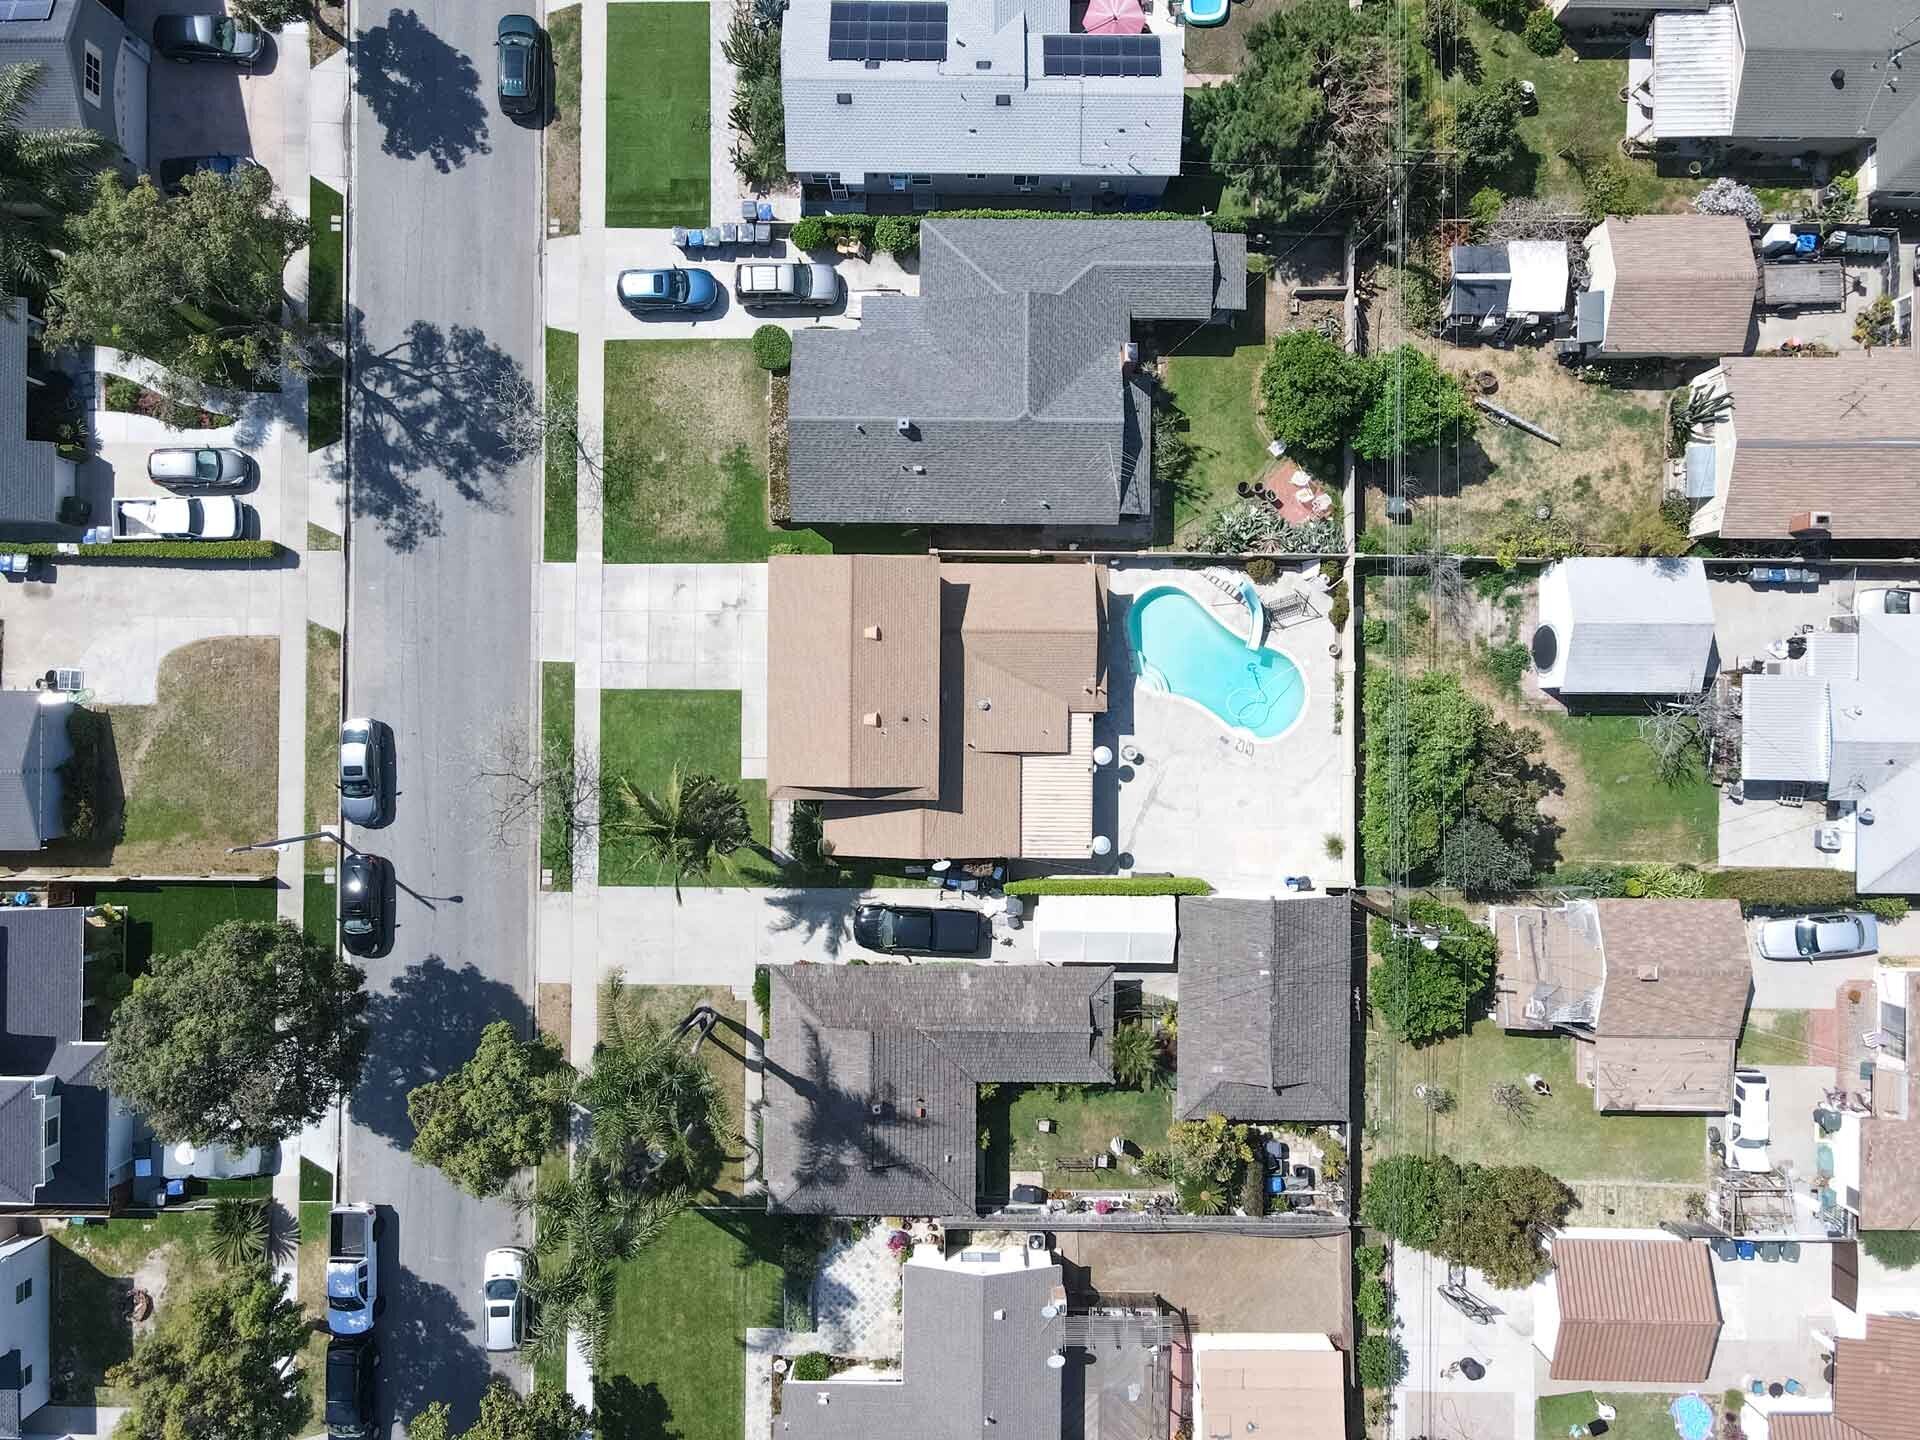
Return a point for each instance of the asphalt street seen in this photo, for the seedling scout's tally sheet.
(444, 310)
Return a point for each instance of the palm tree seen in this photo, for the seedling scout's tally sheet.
(239, 1231)
(1136, 1056)
(658, 1111)
(45, 176)
(691, 828)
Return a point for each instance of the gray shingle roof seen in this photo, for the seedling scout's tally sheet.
(944, 117)
(1794, 50)
(55, 102)
(43, 992)
(33, 743)
(871, 1074)
(975, 1363)
(1266, 1008)
(26, 466)
(1008, 365)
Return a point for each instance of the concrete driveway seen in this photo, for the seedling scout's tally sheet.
(1432, 1403)
(1801, 984)
(203, 109)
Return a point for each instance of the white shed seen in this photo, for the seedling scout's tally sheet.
(1105, 929)
(1624, 627)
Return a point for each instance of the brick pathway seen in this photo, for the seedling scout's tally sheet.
(853, 1298)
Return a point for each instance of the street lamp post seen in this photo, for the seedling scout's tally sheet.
(287, 840)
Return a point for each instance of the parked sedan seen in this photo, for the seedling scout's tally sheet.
(503, 1283)
(353, 1365)
(1820, 937)
(174, 172)
(363, 902)
(661, 292)
(1750, 1126)
(522, 66)
(217, 38)
(1884, 602)
(913, 930)
(363, 772)
(205, 467)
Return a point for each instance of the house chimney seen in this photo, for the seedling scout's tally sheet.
(1646, 972)
(872, 632)
(1806, 522)
(872, 717)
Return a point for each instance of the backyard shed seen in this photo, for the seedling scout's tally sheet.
(1616, 627)
(1492, 283)
(1671, 285)
(1105, 929)
(1628, 1311)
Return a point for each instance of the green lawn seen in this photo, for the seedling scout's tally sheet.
(1566, 1136)
(1776, 1037)
(686, 454)
(323, 740)
(563, 467)
(1623, 811)
(673, 1365)
(318, 910)
(327, 257)
(644, 734)
(1641, 1416)
(326, 402)
(556, 738)
(316, 1183)
(1580, 110)
(92, 1275)
(1212, 379)
(657, 120)
(563, 134)
(166, 919)
(1085, 1119)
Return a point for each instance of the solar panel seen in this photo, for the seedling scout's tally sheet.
(26, 10)
(1091, 55)
(884, 30)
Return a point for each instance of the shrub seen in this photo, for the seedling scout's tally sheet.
(134, 551)
(811, 1367)
(1339, 605)
(1486, 131)
(1542, 33)
(1898, 1249)
(122, 394)
(1312, 390)
(1382, 1361)
(80, 800)
(1607, 193)
(1784, 888)
(896, 235)
(1370, 1261)
(1334, 845)
(1874, 325)
(1253, 1191)
(1507, 664)
(1373, 1303)
(1727, 196)
(1484, 207)
(772, 348)
(1605, 881)
(1507, 14)
(1890, 908)
(1404, 1198)
(1261, 570)
(763, 998)
(1110, 885)
(809, 233)
(1333, 1155)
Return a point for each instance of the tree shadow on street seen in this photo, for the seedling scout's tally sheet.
(434, 407)
(424, 93)
(426, 1336)
(424, 1028)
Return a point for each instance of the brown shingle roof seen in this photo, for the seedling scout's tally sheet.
(1874, 1379)
(1697, 948)
(1683, 285)
(1638, 1310)
(827, 673)
(1839, 433)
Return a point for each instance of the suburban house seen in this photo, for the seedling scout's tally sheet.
(1652, 993)
(1661, 285)
(94, 74)
(1872, 1399)
(33, 477)
(33, 746)
(1004, 393)
(1593, 19)
(65, 1142)
(872, 1074)
(26, 1330)
(1842, 729)
(937, 710)
(1780, 81)
(1293, 1385)
(893, 108)
(1813, 448)
(1267, 1009)
(1499, 290)
(1628, 1310)
(1611, 629)
(1870, 1139)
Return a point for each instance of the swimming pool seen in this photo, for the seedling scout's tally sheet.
(1207, 12)
(1180, 648)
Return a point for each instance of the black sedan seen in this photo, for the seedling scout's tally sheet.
(523, 71)
(363, 903)
(352, 1367)
(217, 38)
(914, 930)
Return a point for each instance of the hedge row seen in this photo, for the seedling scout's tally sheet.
(1782, 887)
(897, 234)
(1110, 885)
(147, 550)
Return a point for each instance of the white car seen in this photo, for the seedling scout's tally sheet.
(1884, 602)
(1750, 1126)
(1820, 937)
(504, 1297)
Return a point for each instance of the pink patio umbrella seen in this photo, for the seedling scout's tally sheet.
(1114, 17)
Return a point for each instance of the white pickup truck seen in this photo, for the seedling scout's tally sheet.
(178, 517)
(353, 1269)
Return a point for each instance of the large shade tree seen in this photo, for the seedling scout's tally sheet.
(548, 1413)
(244, 1039)
(502, 1110)
(45, 176)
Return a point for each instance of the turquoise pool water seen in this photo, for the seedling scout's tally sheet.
(1180, 647)
(1206, 12)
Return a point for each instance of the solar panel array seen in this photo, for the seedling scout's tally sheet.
(26, 10)
(886, 30)
(1101, 55)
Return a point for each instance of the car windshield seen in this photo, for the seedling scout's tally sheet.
(513, 66)
(206, 465)
(802, 281)
(357, 925)
(344, 1302)
(502, 1288)
(1899, 602)
(1745, 1144)
(1806, 937)
(353, 781)
(224, 33)
(677, 286)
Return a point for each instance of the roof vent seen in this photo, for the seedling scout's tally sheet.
(913, 469)
(872, 717)
(1003, 100)
(999, 1314)
(873, 64)
(985, 704)
(983, 64)
(844, 97)
(1839, 78)
(903, 426)
(872, 632)
(1646, 972)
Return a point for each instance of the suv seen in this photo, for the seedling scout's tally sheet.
(363, 772)
(676, 290)
(915, 930)
(772, 282)
(523, 72)
(363, 902)
(1750, 1126)
(187, 38)
(352, 1368)
(503, 1283)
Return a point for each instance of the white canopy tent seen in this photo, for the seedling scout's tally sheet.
(1105, 929)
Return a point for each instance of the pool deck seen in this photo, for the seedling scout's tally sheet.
(1210, 801)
